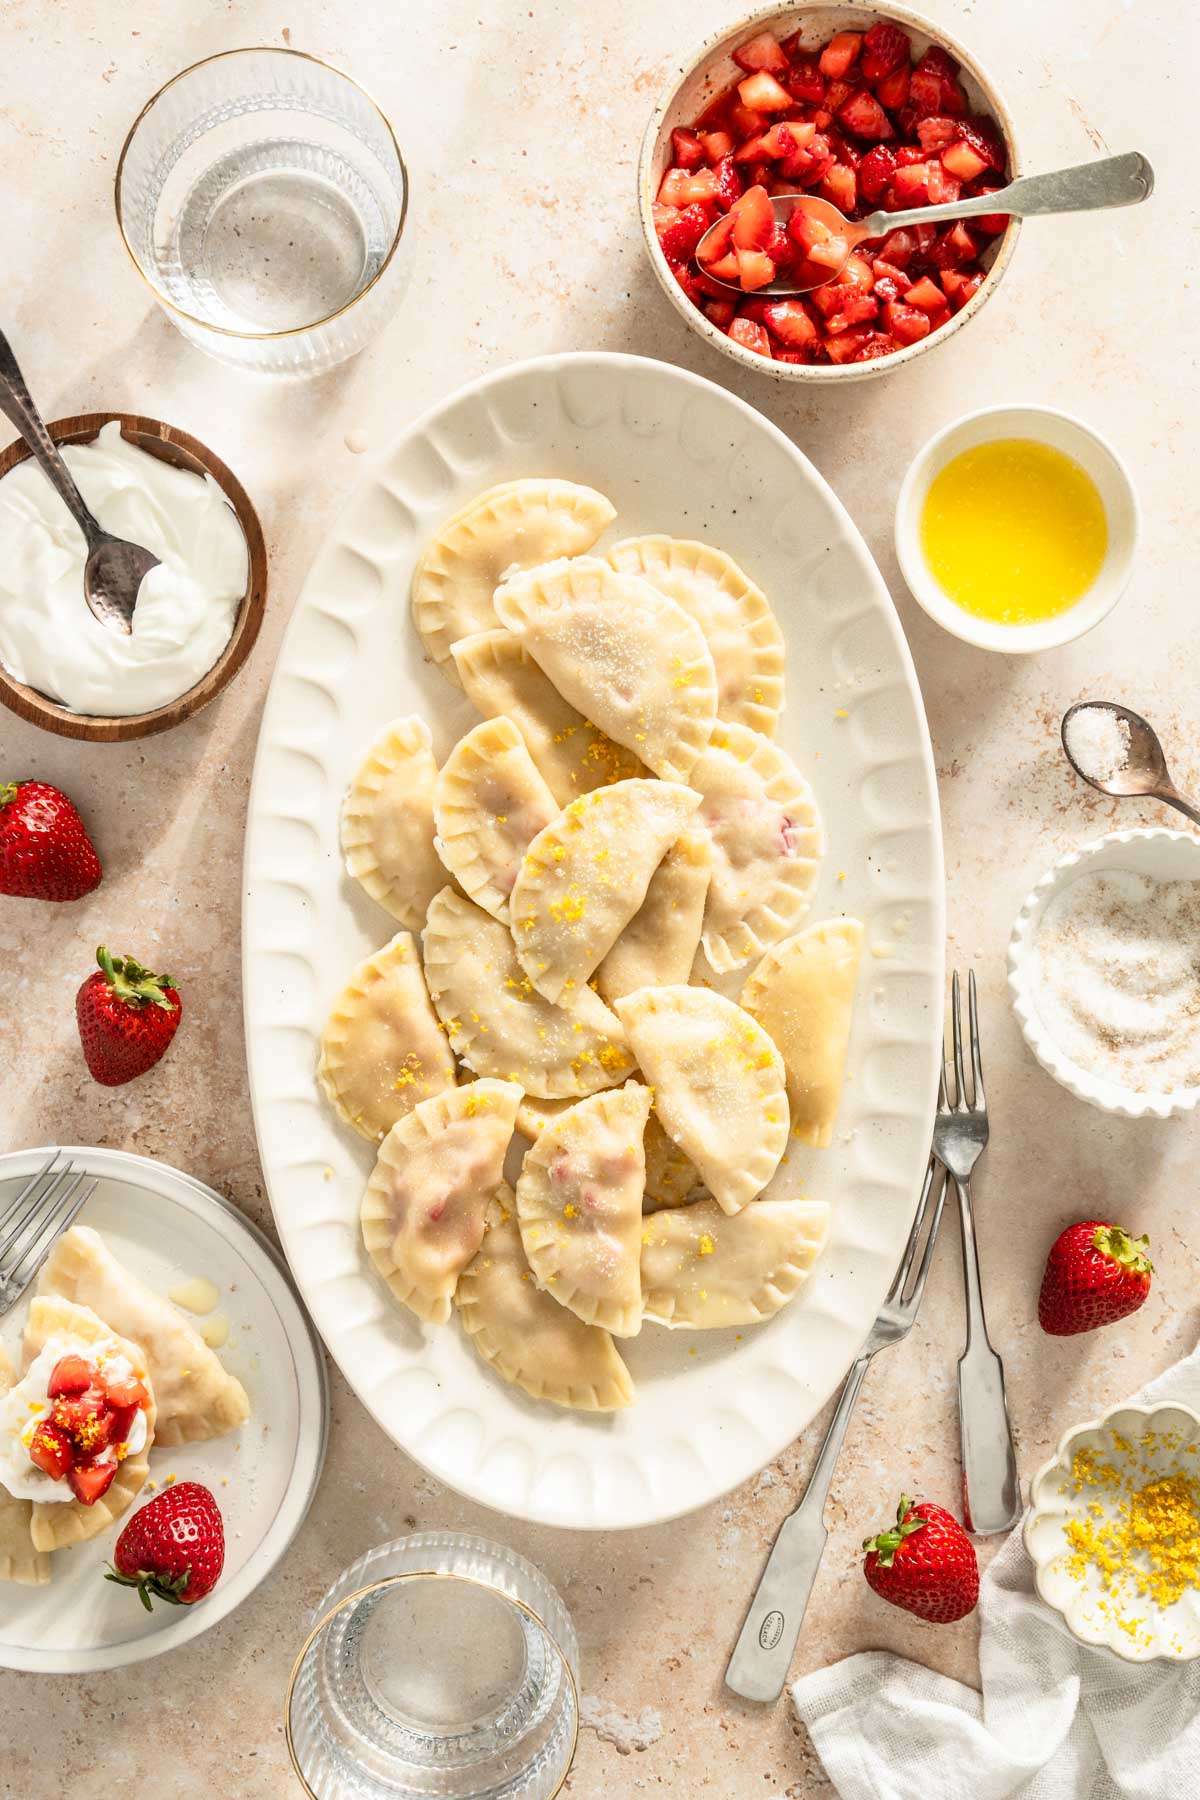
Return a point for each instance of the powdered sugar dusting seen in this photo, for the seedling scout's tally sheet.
(625, 1731)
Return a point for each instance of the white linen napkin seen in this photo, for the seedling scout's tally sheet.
(1055, 1720)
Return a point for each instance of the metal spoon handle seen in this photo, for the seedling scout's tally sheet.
(16, 403)
(1113, 181)
(1171, 796)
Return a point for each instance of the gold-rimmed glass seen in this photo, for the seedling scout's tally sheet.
(262, 195)
(439, 1667)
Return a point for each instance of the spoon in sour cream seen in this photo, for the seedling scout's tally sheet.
(115, 568)
(1118, 752)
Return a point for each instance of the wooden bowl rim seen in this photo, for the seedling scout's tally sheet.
(157, 439)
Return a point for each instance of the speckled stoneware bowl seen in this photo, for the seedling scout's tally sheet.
(1135, 1627)
(1163, 855)
(697, 80)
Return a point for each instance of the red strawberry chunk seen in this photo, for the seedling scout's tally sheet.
(960, 288)
(853, 309)
(717, 145)
(729, 183)
(681, 187)
(942, 186)
(991, 224)
(762, 93)
(877, 344)
(863, 115)
(727, 268)
(907, 324)
(927, 295)
(88, 1481)
(788, 320)
(126, 1393)
(890, 282)
(983, 135)
(909, 186)
(892, 91)
(924, 93)
(750, 336)
(762, 52)
(70, 1375)
(953, 248)
(805, 82)
(857, 273)
(845, 346)
(744, 122)
(936, 132)
(874, 172)
(51, 1449)
(899, 248)
(687, 152)
(840, 186)
(753, 220)
(840, 53)
(721, 241)
(720, 312)
(755, 269)
(959, 160)
(885, 47)
(680, 237)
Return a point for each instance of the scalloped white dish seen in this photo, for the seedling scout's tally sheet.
(674, 453)
(1133, 1626)
(1149, 850)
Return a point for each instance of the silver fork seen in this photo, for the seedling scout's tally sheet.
(991, 1490)
(759, 1665)
(32, 1223)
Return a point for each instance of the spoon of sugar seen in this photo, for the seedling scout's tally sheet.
(114, 570)
(1117, 752)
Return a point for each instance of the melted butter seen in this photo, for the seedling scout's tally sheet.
(215, 1330)
(1014, 531)
(198, 1295)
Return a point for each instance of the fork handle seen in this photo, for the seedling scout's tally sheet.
(762, 1656)
(991, 1490)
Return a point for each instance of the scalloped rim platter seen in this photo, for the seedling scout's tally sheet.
(675, 454)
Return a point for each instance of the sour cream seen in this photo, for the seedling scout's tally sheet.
(24, 1406)
(186, 607)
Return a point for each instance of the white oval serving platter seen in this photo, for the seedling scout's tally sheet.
(678, 454)
(168, 1227)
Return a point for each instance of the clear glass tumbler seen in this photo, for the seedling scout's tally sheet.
(438, 1666)
(262, 196)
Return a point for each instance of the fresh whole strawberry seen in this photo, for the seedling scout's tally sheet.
(925, 1563)
(127, 1016)
(45, 851)
(173, 1548)
(1095, 1275)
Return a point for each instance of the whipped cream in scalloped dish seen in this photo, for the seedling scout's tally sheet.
(25, 1405)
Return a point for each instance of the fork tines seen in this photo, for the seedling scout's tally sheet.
(32, 1222)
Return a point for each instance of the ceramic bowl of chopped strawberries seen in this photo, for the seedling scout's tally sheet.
(868, 108)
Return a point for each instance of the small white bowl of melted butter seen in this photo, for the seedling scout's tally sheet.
(1104, 972)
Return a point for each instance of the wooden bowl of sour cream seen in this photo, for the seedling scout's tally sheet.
(182, 451)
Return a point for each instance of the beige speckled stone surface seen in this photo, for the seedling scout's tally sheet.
(521, 124)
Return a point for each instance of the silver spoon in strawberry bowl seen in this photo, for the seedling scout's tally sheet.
(813, 241)
(1118, 752)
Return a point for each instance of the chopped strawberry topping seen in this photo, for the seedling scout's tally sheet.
(88, 1481)
(51, 1449)
(70, 1375)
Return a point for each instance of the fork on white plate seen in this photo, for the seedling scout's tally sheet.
(32, 1223)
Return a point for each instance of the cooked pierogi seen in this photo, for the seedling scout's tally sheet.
(704, 1269)
(658, 946)
(513, 526)
(426, 1203)
(628, 658)
(383, 1049)
(498, 1022)
(195, 1396)
(586, 874)
(489, 803)
(579, 1206)
(572, 755)
(526, 1336)
(802, 993)
(738, 625)
(766, 835)
(718, 1085)
(387, 822)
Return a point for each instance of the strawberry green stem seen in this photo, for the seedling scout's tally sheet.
(8, 793)
(886, 1544)
(151, 1587)
(1110, 1240)
(133, 984)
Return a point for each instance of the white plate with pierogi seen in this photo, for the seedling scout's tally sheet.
(593, 941)
(163, 1271)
